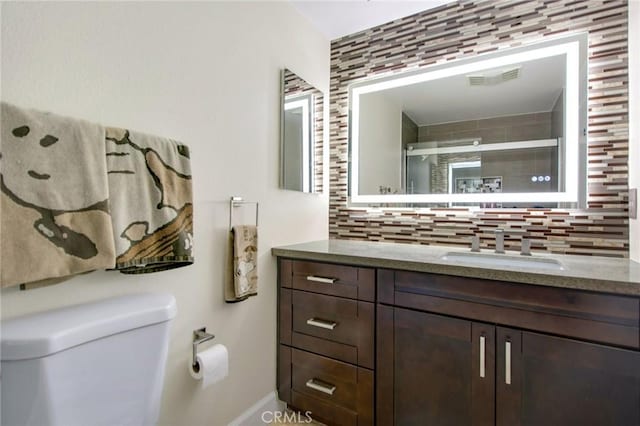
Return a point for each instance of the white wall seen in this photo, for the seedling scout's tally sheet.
(380, 144)
(207, 74)
(634, 119)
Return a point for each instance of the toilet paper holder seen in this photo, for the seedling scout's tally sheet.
(199, 336)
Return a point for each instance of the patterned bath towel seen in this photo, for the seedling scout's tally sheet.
(242, 277)
(54, 213)
(151, 201)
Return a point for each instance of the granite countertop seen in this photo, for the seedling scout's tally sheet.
(593, 273)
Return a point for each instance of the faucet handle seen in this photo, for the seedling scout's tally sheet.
(475, 243)
(525, 249)
(499, 232)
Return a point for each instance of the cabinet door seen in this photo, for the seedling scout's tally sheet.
(434, 370)
(550, 380)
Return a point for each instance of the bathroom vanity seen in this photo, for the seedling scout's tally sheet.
(377, 333)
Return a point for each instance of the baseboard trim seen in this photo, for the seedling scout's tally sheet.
(253, 415)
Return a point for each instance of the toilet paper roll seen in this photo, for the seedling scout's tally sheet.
(212, 365)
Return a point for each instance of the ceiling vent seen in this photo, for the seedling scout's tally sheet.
(490, 80)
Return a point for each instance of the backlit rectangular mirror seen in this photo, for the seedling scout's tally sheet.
(503, 129)
(301, 134)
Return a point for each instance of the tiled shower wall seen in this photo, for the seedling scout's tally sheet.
(508, 128)
(464, 29)
(515, 167)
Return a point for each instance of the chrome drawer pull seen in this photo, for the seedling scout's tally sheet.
(482, 349)
(321, 279)
(329, 325)
(321, 386)
(507, 362)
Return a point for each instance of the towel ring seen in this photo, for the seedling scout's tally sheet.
(237, 202)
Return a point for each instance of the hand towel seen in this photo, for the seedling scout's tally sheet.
(242, 279)
(54, 210)
(151, 201)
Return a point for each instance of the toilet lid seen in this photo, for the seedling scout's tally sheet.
(45, 333)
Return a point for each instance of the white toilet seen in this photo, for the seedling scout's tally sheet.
(99, 363)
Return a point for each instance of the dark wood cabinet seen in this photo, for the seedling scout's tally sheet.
(438, 375)
(444, 370)
(326, 323)
(450, 370)
(553, 381)
(447, 350)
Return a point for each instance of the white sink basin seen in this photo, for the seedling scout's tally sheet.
(502, 260)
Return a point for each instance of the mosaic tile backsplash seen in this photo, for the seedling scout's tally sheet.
(464, 29)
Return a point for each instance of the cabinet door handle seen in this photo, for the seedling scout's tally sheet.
(321, 279)
(507, 362)
(316, 322)
(482, 360)
(321, 386)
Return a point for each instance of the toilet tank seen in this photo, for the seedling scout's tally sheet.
(99, 363)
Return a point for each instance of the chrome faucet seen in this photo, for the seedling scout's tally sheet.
(499, 240)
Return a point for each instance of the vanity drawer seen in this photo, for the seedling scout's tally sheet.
(603, 318)
(334, 391)
(332, 326)
(326, 278)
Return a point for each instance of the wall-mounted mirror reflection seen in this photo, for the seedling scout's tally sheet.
(498, 130)
(301, 134)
